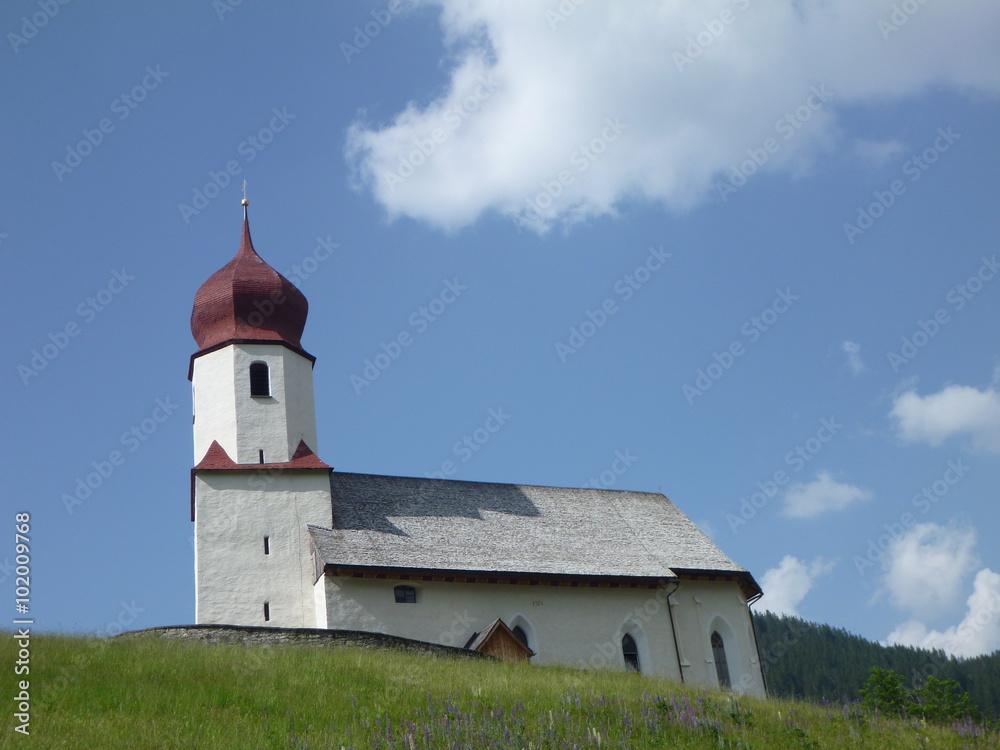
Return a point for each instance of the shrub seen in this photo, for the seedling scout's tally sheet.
(883, 692)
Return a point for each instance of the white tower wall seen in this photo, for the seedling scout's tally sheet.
(243, 424)
(235, 574)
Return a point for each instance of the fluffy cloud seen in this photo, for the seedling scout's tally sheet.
(823, 494)
(554, 112)
(955, 410)
(853, 351)
(787, 585)
(924, 567)
(977, 633)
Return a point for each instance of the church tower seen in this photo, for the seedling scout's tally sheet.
(257, 481)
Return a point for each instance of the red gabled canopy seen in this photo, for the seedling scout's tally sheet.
(216, 459)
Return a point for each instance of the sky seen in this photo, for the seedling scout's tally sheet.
(740, 253)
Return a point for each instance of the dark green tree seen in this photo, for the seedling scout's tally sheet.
(884, 693)
(942, 701)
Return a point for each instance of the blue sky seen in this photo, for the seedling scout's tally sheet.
(742, 254)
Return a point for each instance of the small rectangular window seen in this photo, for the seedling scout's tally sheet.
(267, 545)
(261, 452)
(406, 595)
(267, 611)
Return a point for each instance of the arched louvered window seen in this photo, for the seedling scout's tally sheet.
(719, 656)
(406, 595)
(630, 652)
(519, 633)
(260, 380)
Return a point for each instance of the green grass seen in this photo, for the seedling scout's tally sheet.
(151, 693)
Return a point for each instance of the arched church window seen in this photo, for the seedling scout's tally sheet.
(519, 633)
(630, 652)
(406, 595)
(719, 656)
(260, 380)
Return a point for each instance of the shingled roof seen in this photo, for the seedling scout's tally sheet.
(449, 525)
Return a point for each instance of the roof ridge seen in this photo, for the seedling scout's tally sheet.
(504, 484)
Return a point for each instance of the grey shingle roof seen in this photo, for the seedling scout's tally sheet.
(437, 524)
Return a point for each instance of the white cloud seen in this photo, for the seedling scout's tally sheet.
(823, 494)
(527, 92)
(977, 633)
(787, 585)
(925, 566)
(955, 410)
(877, 153)
(853, 351)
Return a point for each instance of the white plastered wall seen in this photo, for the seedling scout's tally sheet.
(701, 607)
(234, 511)
(576, 626)
(243, 424)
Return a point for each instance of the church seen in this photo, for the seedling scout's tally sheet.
(555, 575)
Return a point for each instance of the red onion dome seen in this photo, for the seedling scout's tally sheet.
(247, 300)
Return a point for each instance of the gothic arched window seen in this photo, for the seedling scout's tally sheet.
(519, 633)
(719, 656)
(630, 652)
(260, 380)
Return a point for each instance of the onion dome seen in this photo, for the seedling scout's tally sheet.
(248, 301)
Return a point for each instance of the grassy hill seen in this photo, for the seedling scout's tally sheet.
(151, 693)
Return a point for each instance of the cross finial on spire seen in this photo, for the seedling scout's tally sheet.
(245, 202)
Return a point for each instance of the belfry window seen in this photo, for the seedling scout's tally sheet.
(406, 595)
(630, 652)
(719, 657)
(260, 380)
